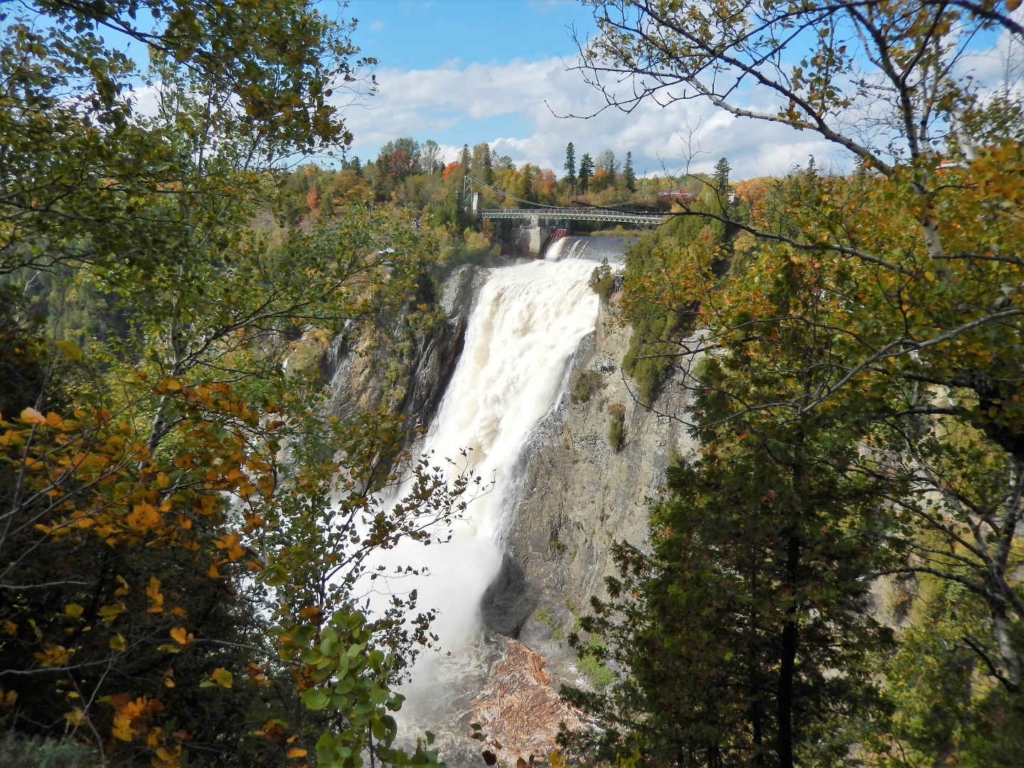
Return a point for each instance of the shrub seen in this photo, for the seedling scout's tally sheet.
(602, 280)
(616, 426)
(592, 668)
(584, 386)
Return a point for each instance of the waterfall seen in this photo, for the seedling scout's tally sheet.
(525, 325)
(610, 249)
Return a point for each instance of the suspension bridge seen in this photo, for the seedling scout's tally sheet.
(573, 214)
(537, 213)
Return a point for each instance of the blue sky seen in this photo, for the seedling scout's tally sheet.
(499, 71)
(422, 34)
(464, 72)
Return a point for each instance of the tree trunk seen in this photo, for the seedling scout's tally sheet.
(788, 661)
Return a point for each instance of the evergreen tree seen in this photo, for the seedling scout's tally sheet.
(722, 177)
(526, 189)
(570, 164)
(586, 171)
(628, 176)
(465, 160)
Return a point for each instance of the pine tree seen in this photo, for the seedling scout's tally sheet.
(722, 176)
(586, 171)
(465, 159)
(627, 173)
(570, 164)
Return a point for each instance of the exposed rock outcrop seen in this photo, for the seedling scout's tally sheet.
(518, 709)
(359, 372)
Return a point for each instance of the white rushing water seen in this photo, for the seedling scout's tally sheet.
(610, 249)
(525, 325)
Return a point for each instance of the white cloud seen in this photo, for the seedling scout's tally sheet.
(521, 108)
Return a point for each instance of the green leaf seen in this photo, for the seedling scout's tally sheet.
(315, 699)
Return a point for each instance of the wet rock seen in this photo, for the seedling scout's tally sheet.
(508, 601)
(519, 709)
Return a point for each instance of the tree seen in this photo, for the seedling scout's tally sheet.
(465, 160)
(430, 157)
(915, 263)
(745, 632)
(628, 176)
(45, 120)
(525, 188)
(152, 599)
(722, 178)
(586, 172)
(482, 168)
(397, 160)
(570, 164)
(606, 162)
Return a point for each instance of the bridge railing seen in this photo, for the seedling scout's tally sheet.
(574, 214)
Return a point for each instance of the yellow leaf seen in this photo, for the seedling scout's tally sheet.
(117, 643)
(53, 655)
(73, 610)
(171, 384)
(180, 636)
(143, 517)
(929, 276)
(122, 729)
(74, 717)
(169, 756)
(153, 593)
(32, 416)
(296, 752)
(111, 612)
(222, 677)
(123, 589)
(69, 348)
(1012, 5)
(9, 627)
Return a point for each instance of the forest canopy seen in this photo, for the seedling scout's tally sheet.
(182, 553)
(834, 579)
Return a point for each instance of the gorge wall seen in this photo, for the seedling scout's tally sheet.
(579, 495)
(572, 494)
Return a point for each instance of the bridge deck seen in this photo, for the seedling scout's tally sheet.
(574, 214)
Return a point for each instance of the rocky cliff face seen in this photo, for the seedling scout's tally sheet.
(371, 372)
(580, 494)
